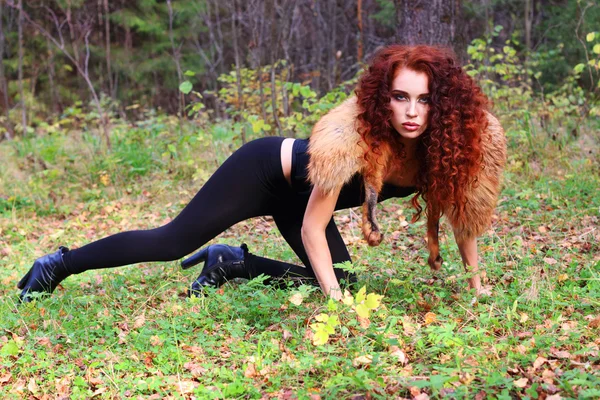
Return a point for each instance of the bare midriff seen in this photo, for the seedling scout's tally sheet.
(286, 159)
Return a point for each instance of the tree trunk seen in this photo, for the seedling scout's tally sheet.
(176, 58)
(429, 22)
(238, 67)
(21, 92)
(359, 45)
(3, 84)
(111, 85)
(51, 76)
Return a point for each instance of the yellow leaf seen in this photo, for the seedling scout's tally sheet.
(348, 299)
(333, 321)
(361, 295)
(562, 277)
(373, 301)
(524, 318)
(362, 310)
(321, 337)
(322, 317)
(590, 36)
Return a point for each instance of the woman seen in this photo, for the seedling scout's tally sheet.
(418, 125)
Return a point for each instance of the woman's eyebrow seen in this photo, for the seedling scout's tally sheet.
(403, 92)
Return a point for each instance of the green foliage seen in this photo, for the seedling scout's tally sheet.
(512, 79)
(297, 115)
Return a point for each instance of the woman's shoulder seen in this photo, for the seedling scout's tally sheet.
(335, 147)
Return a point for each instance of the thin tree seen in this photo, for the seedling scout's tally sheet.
(177, 59)
(4, 85)
(20, 67)
(238, 68)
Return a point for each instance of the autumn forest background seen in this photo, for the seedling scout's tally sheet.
(114, 113)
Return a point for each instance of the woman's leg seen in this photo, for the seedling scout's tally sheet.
(246, 185)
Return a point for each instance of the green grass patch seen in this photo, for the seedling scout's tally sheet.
(132, 333)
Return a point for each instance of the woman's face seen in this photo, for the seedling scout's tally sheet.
(410, 102)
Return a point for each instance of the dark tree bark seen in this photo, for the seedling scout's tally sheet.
(111, 85)
(429, 21)
(359, 47)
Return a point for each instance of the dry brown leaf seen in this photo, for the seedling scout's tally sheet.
(139, 321)
(296, 299)
(422, 396)
(250, 371)
(187, 386)
(32, 386)
(554, 397)
(521, 383)
(562, 354)
(430, 318)
(196, 369)
(538, 362)
(362, 360)
(5, 378)
(396, 352)
(550, 261)
(595, 323)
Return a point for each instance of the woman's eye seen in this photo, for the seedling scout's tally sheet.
(424, 100)
(399, 97)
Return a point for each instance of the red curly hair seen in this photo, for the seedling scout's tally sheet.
(450, 147)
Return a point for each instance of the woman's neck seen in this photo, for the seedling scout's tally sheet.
(410, 146)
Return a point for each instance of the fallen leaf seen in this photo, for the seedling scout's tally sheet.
(396, 352)
(554, 397)
(595, 323)
(32, 386)
(550, 261)
(430, 318)
(250, 371)
(5, 378)
(542, 229)
(362, 360)
(562, 277)
(560, 353)
(521, 383)
(296, 299)
(538, 362)
(139, 321)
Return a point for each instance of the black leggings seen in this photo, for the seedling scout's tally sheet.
(249, 184)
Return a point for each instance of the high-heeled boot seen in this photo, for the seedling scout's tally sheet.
(45, 275)
(221, 263)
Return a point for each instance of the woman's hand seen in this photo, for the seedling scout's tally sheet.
(319, 212)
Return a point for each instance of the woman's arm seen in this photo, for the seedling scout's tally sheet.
(318, 214)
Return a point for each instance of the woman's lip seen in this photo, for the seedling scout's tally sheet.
(411, 126)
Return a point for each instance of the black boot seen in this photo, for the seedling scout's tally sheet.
(45, 274)
(222, 263)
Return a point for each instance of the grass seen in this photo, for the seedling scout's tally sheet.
(131, 332)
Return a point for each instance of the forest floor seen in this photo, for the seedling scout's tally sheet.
(132, 332)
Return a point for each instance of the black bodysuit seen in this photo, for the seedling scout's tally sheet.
(249, 184)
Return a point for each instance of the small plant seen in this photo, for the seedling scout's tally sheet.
(362, 305)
